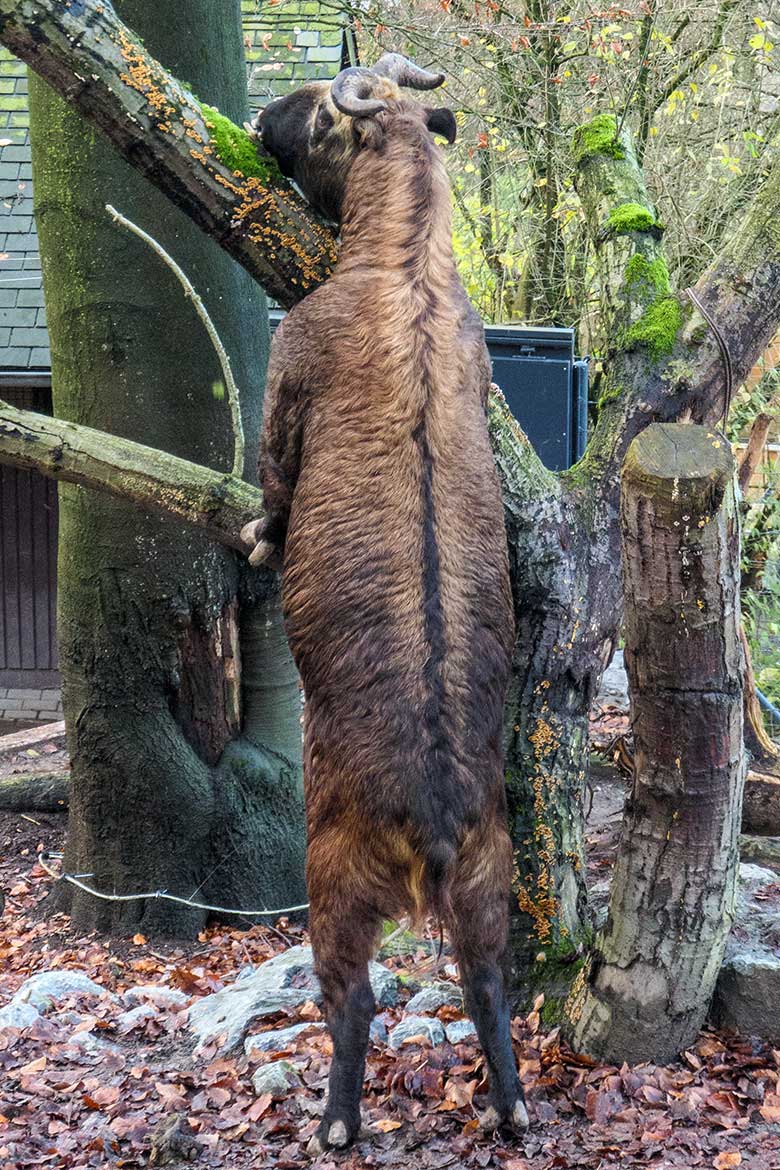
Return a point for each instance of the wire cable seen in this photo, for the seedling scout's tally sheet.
(160, 895)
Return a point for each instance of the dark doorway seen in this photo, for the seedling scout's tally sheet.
(28, 564)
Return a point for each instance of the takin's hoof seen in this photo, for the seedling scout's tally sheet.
(331, 1135)
(263, 551)
(516, 1118)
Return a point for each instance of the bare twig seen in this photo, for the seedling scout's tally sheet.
(216, 341)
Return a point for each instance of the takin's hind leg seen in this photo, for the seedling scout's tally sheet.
(479, 897)
(344, 929)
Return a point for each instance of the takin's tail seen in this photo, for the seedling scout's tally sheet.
(437, 872)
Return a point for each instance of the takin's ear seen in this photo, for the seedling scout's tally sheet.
(441, 121)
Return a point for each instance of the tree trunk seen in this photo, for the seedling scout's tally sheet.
(152, 626)
(761, 804)
(764, 850)
(762, 750)
(645, 991)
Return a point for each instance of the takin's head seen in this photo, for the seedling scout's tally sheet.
(317, 132)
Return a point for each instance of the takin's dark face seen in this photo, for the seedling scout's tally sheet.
(315, 144)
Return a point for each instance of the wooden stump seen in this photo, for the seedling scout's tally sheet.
(644, 993)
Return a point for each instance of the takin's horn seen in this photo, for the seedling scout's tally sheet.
(405, 72)
(351, 92)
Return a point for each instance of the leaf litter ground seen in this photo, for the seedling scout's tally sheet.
(85, 1088)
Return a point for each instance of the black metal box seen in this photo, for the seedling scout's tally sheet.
(545, 386)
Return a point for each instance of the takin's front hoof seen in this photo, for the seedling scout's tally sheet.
(516, 1118)
(331, 1135)
(264, 552)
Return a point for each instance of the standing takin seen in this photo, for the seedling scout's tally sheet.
(384, 504)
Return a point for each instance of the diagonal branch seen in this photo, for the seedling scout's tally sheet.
(208, 166)
(218, 503)
(663, 362)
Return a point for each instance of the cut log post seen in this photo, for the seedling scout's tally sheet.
(644, 993)
(761, 804)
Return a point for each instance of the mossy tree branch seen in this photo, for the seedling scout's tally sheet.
(663, 362)
(218, 503)
(207, 165)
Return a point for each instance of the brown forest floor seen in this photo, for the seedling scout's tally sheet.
(64, 1106)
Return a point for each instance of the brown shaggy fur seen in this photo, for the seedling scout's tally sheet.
(381, 488)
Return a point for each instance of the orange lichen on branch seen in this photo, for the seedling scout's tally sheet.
(143, 75)
(541, 904)
(575, 1001)
(259, 210)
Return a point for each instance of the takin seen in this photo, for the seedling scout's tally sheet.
(384, 507)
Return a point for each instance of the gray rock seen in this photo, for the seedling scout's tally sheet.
(384, 985)
(378, 1031)
(754, 877)
(135, 1017)
(89, 1042)
(747, 995)
(458, 1031)
(18, 1015)
(48, 988)
(295, 964)
(401, 942)
(229, 1013)
(283, 983)
(410, 1026)
(748, 988)
(277, 1078)
(614, 684)
(434, 996)
(276, 1040)
(161, 997)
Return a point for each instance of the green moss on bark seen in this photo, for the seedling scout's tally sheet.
(611, 394)
(658, 327)
(650, 274)
(555, 970)
(235, 148)
(599, 136)
(631, 217)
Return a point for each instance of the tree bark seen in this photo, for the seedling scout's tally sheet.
(217, 503)
(563, 531)
(645, 991)
(208, 166)
(155, 624)
(751, 456)
(763, 752)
